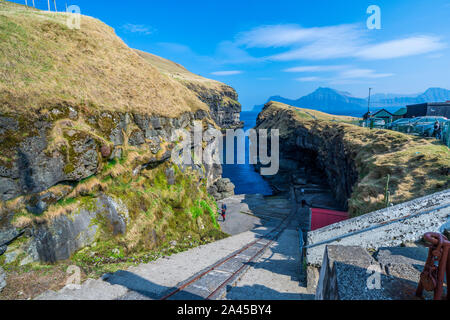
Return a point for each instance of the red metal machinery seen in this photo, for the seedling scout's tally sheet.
(437, 265)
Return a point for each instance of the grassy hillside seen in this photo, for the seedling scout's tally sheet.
(221, 98)
(44, 63)
(311, 114)
(177, 71)
(417, 166)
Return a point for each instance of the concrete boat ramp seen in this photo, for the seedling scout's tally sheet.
(265, 256)
(261, 260)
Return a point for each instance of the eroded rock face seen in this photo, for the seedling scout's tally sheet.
(313, 157)
(224, 105)
(33, 162)
(59, 239)
(43, 158)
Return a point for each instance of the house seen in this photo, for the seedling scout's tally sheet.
(435, 109)
(384, 115)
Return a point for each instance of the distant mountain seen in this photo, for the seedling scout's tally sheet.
(343, 103)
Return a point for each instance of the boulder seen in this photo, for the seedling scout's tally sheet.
(222, 189)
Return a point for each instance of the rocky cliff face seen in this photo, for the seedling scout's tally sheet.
(225, 110)
(63, 166)
(63, 144)
(87, 131)
(353, 161)
(311, 155)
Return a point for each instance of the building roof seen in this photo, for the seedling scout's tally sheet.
(432, 104)
(401, 112)
(381, 112)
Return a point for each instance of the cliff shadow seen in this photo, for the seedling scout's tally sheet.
(143, 289)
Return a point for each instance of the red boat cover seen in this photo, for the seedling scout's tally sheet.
(322, 218)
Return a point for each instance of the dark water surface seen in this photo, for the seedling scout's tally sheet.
(244, 176)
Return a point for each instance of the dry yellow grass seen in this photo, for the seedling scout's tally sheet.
(311, 114)
(199, 85)
(44, 63)
(417, 166)
(90, 186)
(177, 71)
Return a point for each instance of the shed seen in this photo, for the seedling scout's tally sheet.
(384, 114)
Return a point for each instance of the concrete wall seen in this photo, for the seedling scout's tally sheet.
(433, 212)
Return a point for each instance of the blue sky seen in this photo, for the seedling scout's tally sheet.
(289, 48)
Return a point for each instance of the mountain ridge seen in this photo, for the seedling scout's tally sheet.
(343, 103)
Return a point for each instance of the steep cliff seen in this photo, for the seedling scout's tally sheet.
(355, 161)
(87, 129)
(221, 99)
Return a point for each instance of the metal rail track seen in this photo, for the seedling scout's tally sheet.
(259, 245)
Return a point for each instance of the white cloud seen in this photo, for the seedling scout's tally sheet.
(138, 28)
(291, 34)
(348, 76)
(314, 68)
(308, 79)
(362, 74)
(401, 48)
(226, 73)
(332, 42)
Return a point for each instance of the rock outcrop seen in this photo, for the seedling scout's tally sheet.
(58, 148)
(353, 161)
(222, 189)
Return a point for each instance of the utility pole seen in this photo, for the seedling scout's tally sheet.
(49, 9)
(26, 3)
(368, 105)
(34, 5)
(54, 2)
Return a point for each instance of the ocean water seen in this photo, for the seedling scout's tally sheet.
(244, 176)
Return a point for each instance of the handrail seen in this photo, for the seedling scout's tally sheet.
(375, 227)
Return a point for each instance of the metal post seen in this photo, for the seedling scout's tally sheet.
(48, 1)
(54, 2)
(368, 106)
(34, 5)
